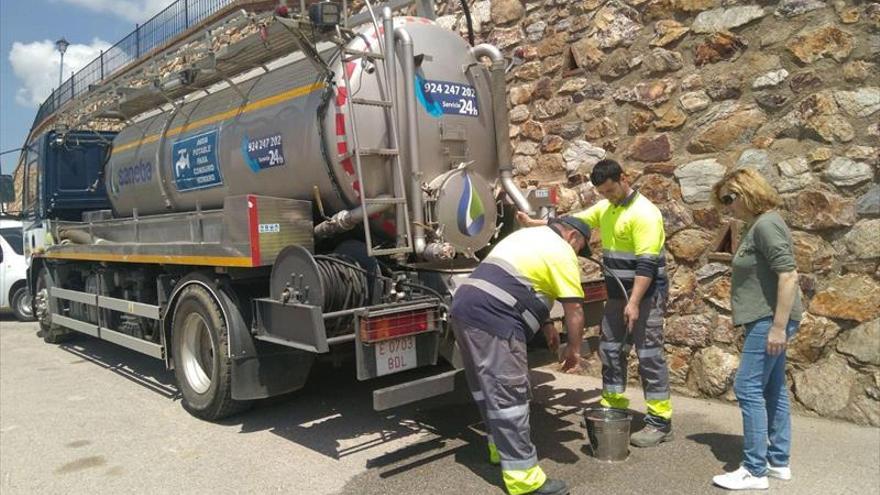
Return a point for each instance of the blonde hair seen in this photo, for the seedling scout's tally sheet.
(757, 194)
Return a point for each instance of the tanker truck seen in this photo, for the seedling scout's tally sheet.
(328, 205)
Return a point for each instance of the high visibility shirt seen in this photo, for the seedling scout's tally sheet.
(511, 292)
(633, 242)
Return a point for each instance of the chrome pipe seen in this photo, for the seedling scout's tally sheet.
(389, 51)
(502, 124)
(408, 63)
(346, 220)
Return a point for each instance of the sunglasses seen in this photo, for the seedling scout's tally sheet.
(728, 199)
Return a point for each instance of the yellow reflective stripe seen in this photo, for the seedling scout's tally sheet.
(219, 117)
(660, 408)
(494, 456)
(158, 259)
(522, 481)
(614, 400)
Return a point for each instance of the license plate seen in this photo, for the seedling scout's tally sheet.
(395, 355)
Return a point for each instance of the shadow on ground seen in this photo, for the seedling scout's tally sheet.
(333, 415)
(726, 448)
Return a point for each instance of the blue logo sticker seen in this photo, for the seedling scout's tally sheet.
(433, 107)
(195, 162)
(262, 153)
(471, 214)
(443, 97)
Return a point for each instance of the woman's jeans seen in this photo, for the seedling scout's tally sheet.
(763, 398)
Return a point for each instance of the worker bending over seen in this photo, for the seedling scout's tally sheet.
(494, 313)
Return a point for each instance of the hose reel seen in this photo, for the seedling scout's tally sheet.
(330, 282)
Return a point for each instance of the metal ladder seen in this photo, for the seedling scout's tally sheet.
(390, 154)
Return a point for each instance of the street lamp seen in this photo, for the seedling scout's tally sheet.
(61, 45)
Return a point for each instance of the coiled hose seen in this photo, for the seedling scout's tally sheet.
(345, 284)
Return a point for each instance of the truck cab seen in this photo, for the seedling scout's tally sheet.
(62, 179)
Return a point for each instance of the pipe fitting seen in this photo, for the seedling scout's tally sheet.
(438, 251)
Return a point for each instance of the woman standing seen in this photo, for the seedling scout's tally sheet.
(766, 303)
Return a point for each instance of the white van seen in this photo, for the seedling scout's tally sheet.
(13, 271)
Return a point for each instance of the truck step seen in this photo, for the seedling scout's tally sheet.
(387, 152)
(371, 103)
(388, 251)
(359, 54)
(385, 201)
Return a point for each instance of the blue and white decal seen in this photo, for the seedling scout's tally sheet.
(443, 97)
(195, 162)
(262, 153)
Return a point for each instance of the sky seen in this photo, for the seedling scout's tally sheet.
(29, 63)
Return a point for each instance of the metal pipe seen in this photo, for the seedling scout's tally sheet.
(341, 339)
(412, 127)
(347, 219)
(344, 312)
(391, 91)
(502, 124)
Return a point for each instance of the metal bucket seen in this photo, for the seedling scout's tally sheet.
(608, 433)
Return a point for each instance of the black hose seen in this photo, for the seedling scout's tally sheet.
(345, 286)
(606, 271)
(352, 266)
(470, 21)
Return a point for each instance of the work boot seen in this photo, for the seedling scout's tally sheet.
(651, 436)
(551, 487)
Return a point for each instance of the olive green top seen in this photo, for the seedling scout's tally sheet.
(764, 252)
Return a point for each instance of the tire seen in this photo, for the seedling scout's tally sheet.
(22, 305)
(51, 333)
(202, 365)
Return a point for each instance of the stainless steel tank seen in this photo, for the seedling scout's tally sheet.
(292, 129)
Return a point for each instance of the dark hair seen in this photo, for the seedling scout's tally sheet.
(604, 170)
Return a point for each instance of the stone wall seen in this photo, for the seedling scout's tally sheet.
(681, 91)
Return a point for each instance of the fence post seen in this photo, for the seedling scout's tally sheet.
(185, 14)
(102, 64)
(137, 40)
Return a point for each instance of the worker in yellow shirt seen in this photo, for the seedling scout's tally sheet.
(495, 311)
(632, 251)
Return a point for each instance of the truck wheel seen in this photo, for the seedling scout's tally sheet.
(21, 303)
(52, 334)
(202, 364)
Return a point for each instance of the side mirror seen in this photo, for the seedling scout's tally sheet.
(7, 189)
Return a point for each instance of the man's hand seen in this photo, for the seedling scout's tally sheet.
(630, 315)
(776, 340)
(552, 337)
(525, 220)
(571, 361)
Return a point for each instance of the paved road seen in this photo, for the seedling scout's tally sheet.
(89, 417)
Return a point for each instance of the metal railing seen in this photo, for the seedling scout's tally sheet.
(174, 20)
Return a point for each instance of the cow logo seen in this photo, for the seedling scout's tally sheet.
(471, 214)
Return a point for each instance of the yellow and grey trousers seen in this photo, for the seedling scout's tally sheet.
(614, 348)
(498, 378)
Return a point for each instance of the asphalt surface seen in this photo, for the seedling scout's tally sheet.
(90, 417)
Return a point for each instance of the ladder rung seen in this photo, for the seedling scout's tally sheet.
(397, 250)
(361, 54)
(371, 152)
(385, 201)
(371, 103)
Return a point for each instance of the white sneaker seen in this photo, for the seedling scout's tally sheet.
(741, 479)
(780, 473)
